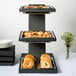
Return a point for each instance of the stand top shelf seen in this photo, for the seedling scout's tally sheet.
(37, 9)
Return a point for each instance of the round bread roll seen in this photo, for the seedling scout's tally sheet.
(45, 56)
(30, 56)
(40, 33)
(45, 7)
(26, 33)
(46, 64)
(25, 7)
(30, 6)
(28, 63)
(45, 61)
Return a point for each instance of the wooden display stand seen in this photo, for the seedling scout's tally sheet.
(37, 23)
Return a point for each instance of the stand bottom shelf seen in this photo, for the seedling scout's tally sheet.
(37, 70)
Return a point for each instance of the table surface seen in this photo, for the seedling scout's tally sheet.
(65, 67)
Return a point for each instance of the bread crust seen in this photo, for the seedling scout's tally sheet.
(28, 63)
(30, 56)
(45, 61)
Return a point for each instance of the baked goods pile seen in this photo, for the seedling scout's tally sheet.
(36, 6)
(28, 62)
(45, 61)
(37, 34)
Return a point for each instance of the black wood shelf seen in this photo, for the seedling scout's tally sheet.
(25, 10)
(37, 70)
(7, 58)
(37, 40)
(37, 10)
(7, 52)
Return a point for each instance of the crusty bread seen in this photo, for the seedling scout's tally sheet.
(37, 34)
(30, 56)
(28, 63)
(45, 61)
(45, 56)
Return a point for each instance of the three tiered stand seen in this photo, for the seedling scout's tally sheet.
(37, 46)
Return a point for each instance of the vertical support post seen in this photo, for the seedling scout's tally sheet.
(37, 23)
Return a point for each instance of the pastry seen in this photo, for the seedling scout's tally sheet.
(37, 34)
(45, 7)
(45, 56)
(40, 33)
(25, 7)
(45, 61)
(28, 63)
(30, 56)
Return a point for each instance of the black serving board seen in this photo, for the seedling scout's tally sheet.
(36, 40)
(37, 70)
(7, 58)
(37, 10)
(7, 63)
(7, 51)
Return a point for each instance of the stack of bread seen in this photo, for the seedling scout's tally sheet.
(45, 61)
(28, 62)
